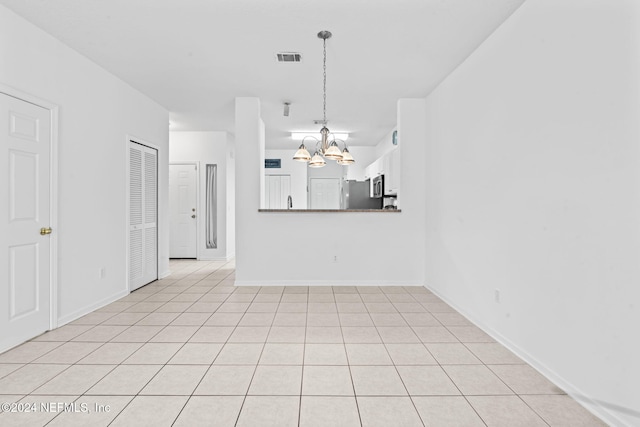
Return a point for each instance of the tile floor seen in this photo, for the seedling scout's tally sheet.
(193, 350)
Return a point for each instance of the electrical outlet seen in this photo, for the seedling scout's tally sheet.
(102, 273)
(496, 295)
(335, 258)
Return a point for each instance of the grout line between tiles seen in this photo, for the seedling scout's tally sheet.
(213, 278)
(346, 354)
(396, 368)
(259, 356)
(304, 351)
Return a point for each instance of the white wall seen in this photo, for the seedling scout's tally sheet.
(363, 156)
(372, 248)
(207, 148)
(231, 196)
(97, 112)
(260, 147)
(532, 188)
(385, 145)
(297, 171)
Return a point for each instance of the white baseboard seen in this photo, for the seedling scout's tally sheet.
(92, 307)
(323, 283)
(216, 258)
(9, 344)
(587, 402)
(164, 274)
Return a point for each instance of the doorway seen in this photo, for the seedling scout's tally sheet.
(143, 215)
(183, 215)
(27, 228)
(324, 193)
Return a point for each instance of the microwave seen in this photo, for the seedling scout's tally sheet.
(377, 187)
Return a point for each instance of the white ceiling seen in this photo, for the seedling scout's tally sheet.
(195, 56)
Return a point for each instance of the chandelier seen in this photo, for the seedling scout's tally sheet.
(327, 146)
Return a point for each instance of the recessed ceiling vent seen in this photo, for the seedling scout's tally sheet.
(289, 57)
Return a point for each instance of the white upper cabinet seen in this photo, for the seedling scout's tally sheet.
(392, 172)
(389, 166)
(367, 172)
(374, 169)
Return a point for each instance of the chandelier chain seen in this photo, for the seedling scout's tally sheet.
(324, 81)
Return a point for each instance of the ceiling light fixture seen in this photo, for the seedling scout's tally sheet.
(327, 145)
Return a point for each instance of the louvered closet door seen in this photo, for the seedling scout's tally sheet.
(143, 215)
(278, 191)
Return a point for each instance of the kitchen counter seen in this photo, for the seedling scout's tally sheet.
(331, 210)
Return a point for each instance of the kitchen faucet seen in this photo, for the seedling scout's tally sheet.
(289, 202)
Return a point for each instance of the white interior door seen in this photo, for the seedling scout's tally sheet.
(143, 215)
(25, 261)
(278, 191)
(183, 191)
(324, 193)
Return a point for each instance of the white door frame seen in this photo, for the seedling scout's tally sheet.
(140, 141)
(309, 187)
(198, 213)
(53, 194)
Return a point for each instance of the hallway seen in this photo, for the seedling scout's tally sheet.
(192, 349)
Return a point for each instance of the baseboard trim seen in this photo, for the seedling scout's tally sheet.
(164, 274)
(8, 345)
(587, 402)
(323, 283)
(216, 258)
(93, 307)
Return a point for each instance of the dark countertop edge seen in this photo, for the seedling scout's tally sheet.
(330, 210)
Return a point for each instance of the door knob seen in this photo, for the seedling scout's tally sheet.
(193, 216)
(45, 230)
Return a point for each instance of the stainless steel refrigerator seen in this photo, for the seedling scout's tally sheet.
(355, 195)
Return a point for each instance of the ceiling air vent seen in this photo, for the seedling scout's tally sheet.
(289, 57)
